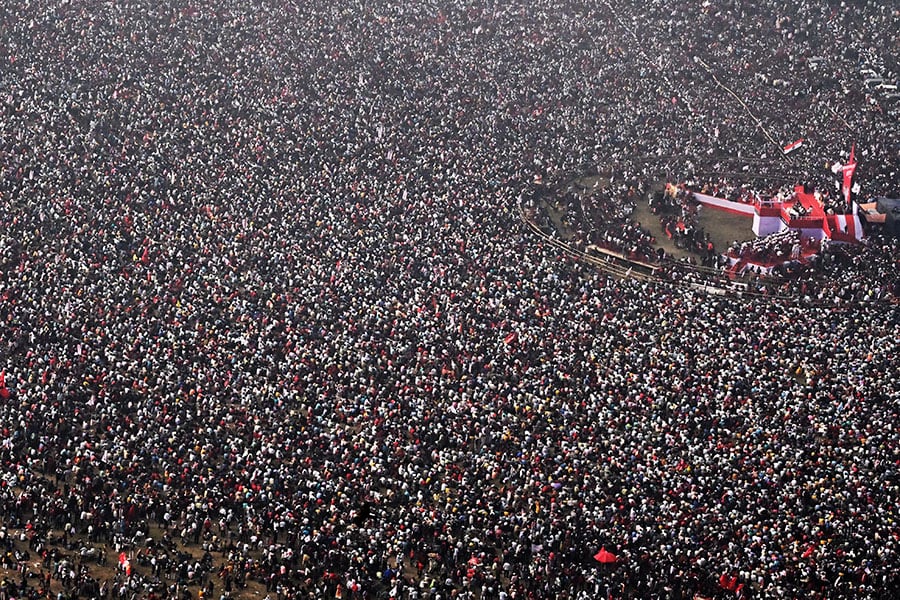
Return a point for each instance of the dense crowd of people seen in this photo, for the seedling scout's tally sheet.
(270, 316)
(772, 250)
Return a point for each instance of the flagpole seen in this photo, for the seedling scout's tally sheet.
(848, 171)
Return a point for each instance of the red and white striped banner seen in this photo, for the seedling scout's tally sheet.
(793, 146)
(849, 225)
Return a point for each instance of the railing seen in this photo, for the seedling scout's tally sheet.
(799, 222)
(768, 211)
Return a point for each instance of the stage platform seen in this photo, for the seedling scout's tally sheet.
(790, 229)
(802, 211)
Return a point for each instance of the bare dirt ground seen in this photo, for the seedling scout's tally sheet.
(723, 228)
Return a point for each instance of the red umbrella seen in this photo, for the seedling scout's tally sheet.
(605, 557)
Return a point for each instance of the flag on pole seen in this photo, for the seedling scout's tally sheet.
(605, 557)
(849, 169)
(793, 146)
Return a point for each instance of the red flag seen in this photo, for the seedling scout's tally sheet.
(808, 552)
(732, 583)
(849, 169)
(605, 557)
(723, 581)
(510, 338)
(793, 146)
(729, 583)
